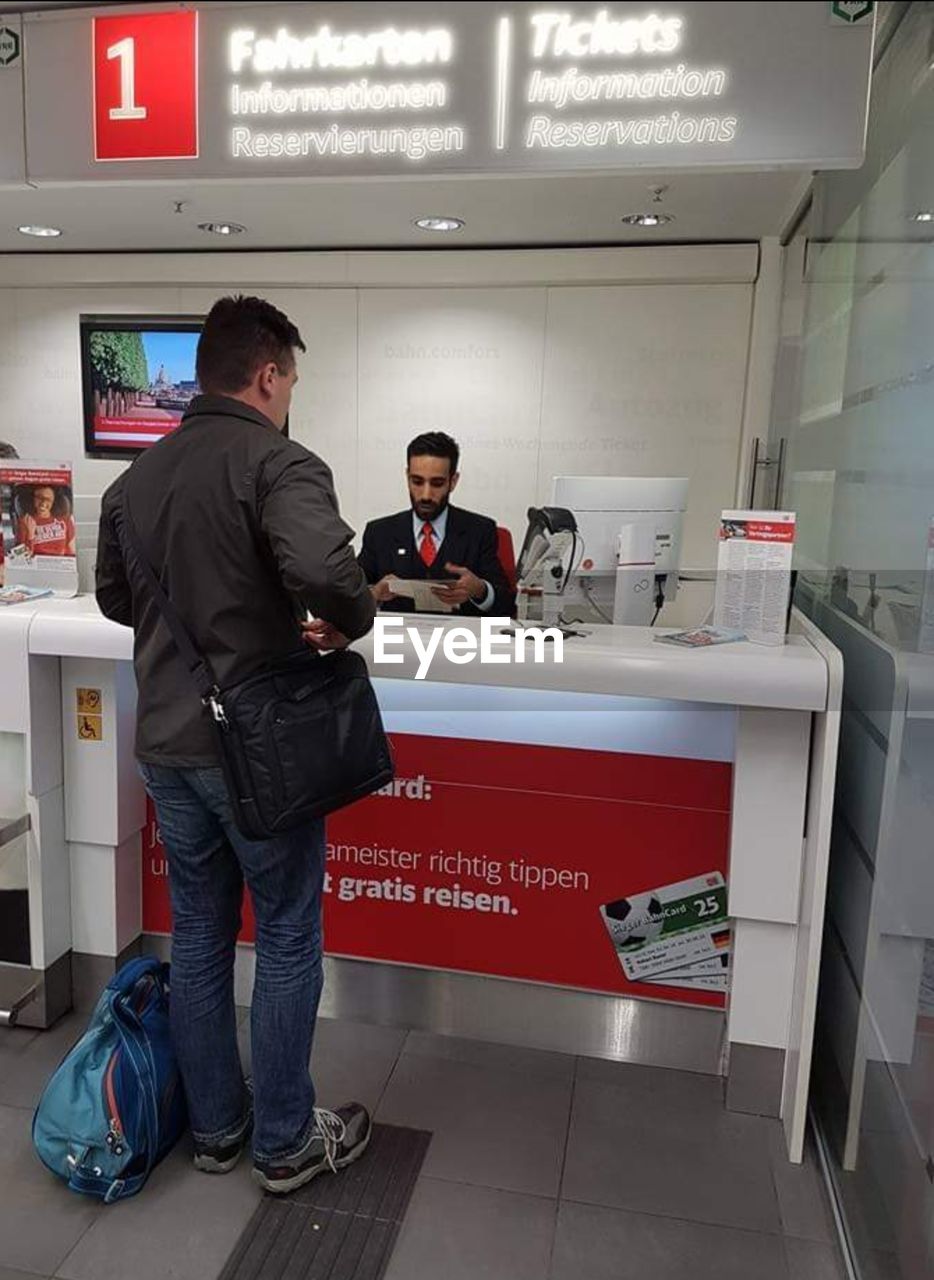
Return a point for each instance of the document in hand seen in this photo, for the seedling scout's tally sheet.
(420, 590)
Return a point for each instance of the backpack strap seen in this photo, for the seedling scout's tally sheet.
(126, 978)
(138, 1051)
(109, 1189)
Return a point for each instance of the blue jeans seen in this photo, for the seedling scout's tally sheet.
(209, 860)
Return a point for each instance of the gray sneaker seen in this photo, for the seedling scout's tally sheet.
(221, 1157)
(339, 1138)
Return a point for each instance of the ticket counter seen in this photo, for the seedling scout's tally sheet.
(487, 890)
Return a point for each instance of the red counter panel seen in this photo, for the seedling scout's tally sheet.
(495, 858)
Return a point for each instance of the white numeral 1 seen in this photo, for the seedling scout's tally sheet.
(127, 110)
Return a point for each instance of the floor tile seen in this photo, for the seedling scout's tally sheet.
(802, 1197)
(607, 1244)
(5, 1274)
(689, 1089)
(491, 1128)
(462, 1233)
(351, 1061)
(183, 1225)
(498, 1057)
(28, 1058)
(654, 1151)
(809, 1260)
(40, 1219)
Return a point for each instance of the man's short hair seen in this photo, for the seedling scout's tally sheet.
(7, 450)
(239, 336)
(434, 444)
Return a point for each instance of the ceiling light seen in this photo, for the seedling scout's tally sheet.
(439, 224)
(647, 219)
(923, 215)
(222, 228)
(43, 232)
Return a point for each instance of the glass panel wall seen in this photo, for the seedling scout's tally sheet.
(854, 403)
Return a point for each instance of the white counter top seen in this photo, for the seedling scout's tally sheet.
(76, 629)
(610, 660)
(627, 660)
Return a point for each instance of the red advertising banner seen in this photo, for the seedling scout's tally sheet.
(589, 869)
(146, 86)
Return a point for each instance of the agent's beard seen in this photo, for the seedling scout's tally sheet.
(428, 509)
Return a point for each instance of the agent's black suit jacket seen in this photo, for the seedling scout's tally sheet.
(469, 540)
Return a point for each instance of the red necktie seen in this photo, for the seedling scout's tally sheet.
(428, 550)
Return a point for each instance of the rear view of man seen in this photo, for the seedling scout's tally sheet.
(242, 527)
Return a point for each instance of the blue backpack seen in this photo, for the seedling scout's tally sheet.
(115, 1106)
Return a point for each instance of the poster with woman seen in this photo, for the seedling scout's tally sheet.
(38, 533)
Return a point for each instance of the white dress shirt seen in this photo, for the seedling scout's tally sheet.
(439, 527)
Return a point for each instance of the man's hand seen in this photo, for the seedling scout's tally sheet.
(467, 587)
(323, 636)
(381, 591)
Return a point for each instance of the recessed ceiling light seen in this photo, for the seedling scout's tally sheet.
(43, 232)
(222, 228)
(923, 215)
(647, 219)
(439, 224)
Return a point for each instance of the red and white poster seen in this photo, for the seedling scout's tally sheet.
(597, 870)
(38, 533)
(146, 86)
(754, 557)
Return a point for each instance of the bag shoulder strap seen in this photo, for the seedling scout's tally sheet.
(197, 664)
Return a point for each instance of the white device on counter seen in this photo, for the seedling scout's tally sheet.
(629, 530)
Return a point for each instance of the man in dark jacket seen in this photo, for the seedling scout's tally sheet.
(242, 527)
(455, 549)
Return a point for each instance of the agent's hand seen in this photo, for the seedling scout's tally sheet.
(467, 587)
(323, 636)
(381, 592)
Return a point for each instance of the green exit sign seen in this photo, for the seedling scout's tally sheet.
(9, 46)
(851, 10)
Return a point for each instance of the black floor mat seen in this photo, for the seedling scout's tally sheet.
(342, 1226)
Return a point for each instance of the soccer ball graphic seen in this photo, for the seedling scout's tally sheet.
(634, 921)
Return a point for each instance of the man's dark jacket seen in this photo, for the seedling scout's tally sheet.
(243, 528)
(469, 540)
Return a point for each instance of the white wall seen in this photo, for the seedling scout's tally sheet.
(623, 362)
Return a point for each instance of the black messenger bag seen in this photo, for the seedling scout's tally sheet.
(297, 740)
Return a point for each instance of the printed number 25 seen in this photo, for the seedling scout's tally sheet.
(706, 907)
(125, 50)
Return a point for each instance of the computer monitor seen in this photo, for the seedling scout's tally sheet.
(604, 505)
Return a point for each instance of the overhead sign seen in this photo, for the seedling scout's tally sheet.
(11, 46)
(12, 149)
(140, 112)
(852, 10)
(305, 90)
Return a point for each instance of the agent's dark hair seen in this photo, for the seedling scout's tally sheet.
(239, 336)
(434, 444)
(7, 450)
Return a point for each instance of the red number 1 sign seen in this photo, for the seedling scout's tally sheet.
(146, 86)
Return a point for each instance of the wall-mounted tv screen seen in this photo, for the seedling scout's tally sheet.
(138, 375)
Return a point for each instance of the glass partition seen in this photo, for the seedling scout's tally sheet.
(854, 403)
